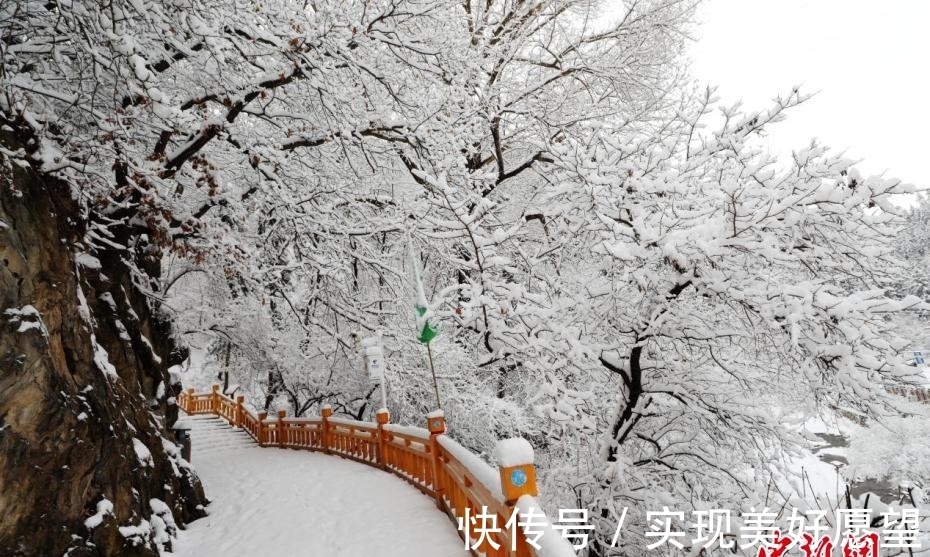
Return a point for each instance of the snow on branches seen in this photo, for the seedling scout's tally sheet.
(624, 275)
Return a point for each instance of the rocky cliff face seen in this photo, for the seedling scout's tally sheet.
(85, 397)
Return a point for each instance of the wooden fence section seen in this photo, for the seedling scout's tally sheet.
(413, 454)
(461, 491)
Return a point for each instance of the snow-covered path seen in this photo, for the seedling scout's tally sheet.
(269, 501)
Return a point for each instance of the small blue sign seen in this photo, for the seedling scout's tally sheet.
(919, 358)
(436, 424)
(518, 477)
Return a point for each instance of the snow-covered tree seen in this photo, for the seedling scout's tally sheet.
(724, 292)
(648, 300)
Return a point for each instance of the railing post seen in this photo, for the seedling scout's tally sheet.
(240, 411)
(215, 399)
(384, 417)
(326, 412)
(280, 427)
(436, 423)
(518, 477)
(518, 473)
(190, 400)
(262, 428)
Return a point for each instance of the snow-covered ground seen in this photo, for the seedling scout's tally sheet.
(269, 501)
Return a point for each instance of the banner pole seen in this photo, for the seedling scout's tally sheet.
(429, 352)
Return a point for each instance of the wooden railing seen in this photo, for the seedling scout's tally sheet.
(425, 458)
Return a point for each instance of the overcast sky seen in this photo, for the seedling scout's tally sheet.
(869, 60)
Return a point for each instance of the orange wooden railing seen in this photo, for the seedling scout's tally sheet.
(424, 458)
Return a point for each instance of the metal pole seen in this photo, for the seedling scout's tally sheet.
(429, 352)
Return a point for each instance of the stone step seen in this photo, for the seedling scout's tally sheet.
(210, 434)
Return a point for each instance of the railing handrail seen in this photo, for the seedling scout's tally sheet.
(421, 457)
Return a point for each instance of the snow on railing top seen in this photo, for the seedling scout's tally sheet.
(462, 483)
(408, 430)
(350, 423)
(483, 472)
(513, 452)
